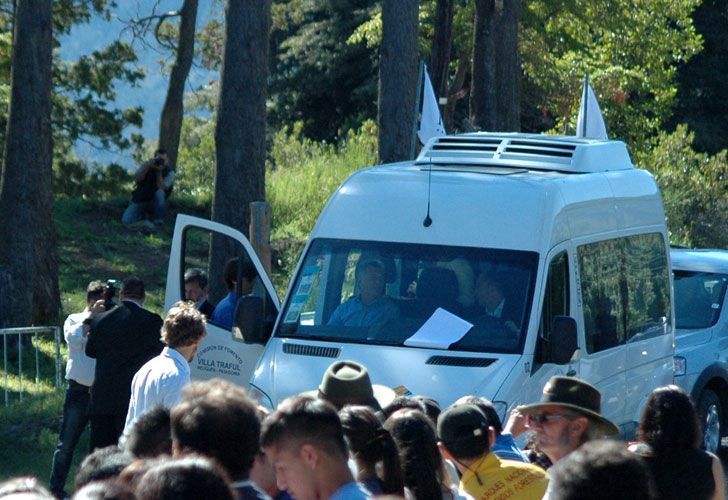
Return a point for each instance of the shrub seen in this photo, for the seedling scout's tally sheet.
(303, 174)
(693, 187)
(77, 179)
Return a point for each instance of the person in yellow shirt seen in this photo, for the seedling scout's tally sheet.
(465, 439)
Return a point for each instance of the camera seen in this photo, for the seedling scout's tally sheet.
(109, 293)
(158, 162)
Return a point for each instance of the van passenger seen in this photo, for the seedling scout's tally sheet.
(491, 302)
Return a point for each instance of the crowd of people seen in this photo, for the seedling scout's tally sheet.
(155, 434)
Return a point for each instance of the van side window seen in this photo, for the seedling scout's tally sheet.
(556, 296)
(625, 290)
(648, 287)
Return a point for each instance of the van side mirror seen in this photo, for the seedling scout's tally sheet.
(563, 339)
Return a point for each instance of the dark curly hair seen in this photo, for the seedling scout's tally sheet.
(669, 422)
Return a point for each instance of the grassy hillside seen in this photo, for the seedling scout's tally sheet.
(92, 244)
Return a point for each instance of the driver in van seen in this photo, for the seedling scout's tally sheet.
(490, 301)
(370, 306)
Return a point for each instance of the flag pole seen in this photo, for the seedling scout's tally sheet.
(420, 82)
(585, 100)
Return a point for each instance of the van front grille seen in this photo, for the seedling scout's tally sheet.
(460, 361)
(311, 350)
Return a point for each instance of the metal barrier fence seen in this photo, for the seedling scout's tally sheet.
(33, 332)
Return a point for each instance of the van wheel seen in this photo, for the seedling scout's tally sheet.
(711, 418)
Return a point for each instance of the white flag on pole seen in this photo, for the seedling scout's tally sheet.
(430, 120)
(590, 123)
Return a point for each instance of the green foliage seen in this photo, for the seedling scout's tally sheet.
(196, 160)
(83, 91)
(77, 179)
(629, 49)
(694, 189)
(702, 96)
(315, 76)
(305, 173)
(302, 173)
(369, 32)
(66, 13)
(210, 44)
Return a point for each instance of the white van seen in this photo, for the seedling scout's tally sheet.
(486, 266)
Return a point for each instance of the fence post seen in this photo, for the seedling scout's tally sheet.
(260, 232)
(57, 345)
(34, 332)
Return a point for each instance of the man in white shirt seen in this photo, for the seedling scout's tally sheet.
(161, 380)
(80, 376)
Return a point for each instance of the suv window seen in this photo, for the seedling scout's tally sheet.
(698, 298)
(625, 290)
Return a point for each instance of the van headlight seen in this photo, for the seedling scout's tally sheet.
(260, 397)
(679, 366)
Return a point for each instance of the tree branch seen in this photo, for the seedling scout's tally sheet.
(140, 27)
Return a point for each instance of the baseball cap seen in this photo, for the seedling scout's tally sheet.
(463, 429)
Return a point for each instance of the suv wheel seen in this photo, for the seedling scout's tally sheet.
(711, 418)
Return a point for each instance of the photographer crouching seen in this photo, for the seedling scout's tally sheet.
(153, 185)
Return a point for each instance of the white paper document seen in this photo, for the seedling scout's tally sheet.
(440, 331)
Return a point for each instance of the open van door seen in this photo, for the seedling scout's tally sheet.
(228, 353)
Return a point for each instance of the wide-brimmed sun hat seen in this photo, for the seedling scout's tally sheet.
(573, 394)
(347, 383)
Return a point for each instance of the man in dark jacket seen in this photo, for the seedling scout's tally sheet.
(153, 185)
(121, 340)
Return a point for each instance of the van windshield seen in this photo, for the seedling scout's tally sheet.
(457, 298)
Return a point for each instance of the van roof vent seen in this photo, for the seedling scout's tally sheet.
(526, 151)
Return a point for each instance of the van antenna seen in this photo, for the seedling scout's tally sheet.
(428, 220)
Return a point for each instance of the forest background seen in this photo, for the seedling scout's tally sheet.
(657, 66)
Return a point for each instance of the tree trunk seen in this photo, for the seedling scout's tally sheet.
(482, 87)
(441, 46)
(456, 91)
(170, 123)
(25, 192)
(398, 75)
(508, 65)
(240, 128)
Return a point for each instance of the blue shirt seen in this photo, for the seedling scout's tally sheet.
(224, 311)
(506, 448)
(350, 491)
(354, 312)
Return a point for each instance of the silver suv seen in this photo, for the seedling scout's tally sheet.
(701, 337)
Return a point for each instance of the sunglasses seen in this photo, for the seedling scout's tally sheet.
(545, 418)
